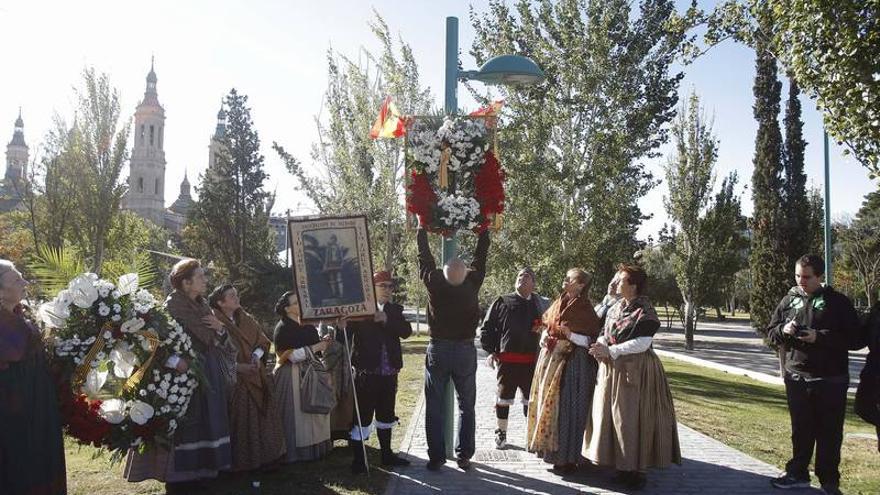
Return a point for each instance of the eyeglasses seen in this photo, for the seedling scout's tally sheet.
(385, 285)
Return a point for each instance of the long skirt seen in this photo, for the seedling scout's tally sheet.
(31, 445)
(575, 398)
(307, 435)
(633, 424)
(201, 442)
(256, 432)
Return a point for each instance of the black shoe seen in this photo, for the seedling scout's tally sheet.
(787, 482)
(831, 490)
(622, 478)
(435, 464)
(564, 469)
(389, 458)
(358, 463)
(464, 464)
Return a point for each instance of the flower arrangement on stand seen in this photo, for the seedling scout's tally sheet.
(455, 179)
(111, 349)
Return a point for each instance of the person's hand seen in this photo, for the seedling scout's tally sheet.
(790, 328)
(212, 322)
(182, 366)
(380, 317)
(491, 360)
(600, 351)
(342, 322)
(808, 336)
(322, 345)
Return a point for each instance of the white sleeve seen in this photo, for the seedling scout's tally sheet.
(579, 340)
(298, 355)
(602, 340)
(258, 353)
(172, 361)
(634, 346)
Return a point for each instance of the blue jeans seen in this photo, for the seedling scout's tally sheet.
(455, 359)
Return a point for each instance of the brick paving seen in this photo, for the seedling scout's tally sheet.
(709, 467)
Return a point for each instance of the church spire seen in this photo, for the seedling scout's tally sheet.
(150, 95)
(220, 131)
(18, 132)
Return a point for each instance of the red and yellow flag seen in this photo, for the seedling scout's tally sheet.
(492, 110)
(389, 123)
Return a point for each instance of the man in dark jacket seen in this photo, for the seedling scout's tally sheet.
(508, 336)
(377, 359)
(453, 316)
(814, 327)
(868, 394)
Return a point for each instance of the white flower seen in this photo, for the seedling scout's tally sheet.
(142, 393)
(83, 291)
(128, 284)
(103, 309)
(124, 361)
(172, 398)
(174, 389)
(115, 317)
(117, 308)
(107, 335)
(133, 325)
(151, 387)
(172, 424)
(137, 441)
(141, 412)
(113, 411)
(162, 393)
(183, 391)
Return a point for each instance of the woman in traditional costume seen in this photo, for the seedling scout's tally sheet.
(254, 417)
(565, 375)
(31, 444)
(307, 435)
(201, 446)
(633, 425)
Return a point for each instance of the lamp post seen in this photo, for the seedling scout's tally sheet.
(827, 214)
(503, 69)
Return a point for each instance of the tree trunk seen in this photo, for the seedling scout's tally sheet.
(99, 255)
(718, 313)
(689, 323)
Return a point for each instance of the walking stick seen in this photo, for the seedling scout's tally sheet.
(357, 409)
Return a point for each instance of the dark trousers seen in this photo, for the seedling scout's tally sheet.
(455, 360)
(817, 410)
(512, 376)
(377, 395)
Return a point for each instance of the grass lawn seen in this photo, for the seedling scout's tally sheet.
(753, 417)
(90, 473)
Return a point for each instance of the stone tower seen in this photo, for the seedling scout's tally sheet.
(216, 145)
(16, 154)
(146, 179)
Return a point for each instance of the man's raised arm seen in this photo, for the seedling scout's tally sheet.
(427, 265)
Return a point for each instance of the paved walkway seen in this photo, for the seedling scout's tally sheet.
(709, 466)
(736, 344)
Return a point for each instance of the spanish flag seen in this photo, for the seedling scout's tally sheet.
(493, 110)
(389, 123)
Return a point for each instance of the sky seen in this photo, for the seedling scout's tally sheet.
(275, 52)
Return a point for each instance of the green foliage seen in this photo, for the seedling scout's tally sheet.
(767, 260)
(53, 268)
(350, 162)
(573, 147)
(706, 244)
(797, 229)
(830, 48)
(860, 243)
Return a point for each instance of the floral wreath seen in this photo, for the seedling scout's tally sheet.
(110, 345)
(455, 181)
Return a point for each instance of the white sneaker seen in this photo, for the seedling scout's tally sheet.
(500, 438)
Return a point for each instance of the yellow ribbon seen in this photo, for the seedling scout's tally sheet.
(444, 167)
(138, 375)
(82, 371)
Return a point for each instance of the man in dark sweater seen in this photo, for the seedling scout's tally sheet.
(814, 328)
(453, 316)
(508, 336)
(377, 359)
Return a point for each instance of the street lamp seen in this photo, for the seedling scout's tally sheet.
(828, 252)
(503, 69)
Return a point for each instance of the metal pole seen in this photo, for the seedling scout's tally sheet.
(828, 252)
(357, 408)
(450, 245)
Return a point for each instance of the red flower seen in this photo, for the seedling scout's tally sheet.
(489, 190)
(420, 197)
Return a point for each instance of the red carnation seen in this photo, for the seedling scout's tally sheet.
(489, 189)
(420, 197)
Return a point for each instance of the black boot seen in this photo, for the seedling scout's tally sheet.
(389, 458)
(358, 463)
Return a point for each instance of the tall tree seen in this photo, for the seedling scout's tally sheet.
(795, 202)
(767, 260)
(706, 241)
(831, 49)
(350, 163)
(230, 221)
(573, 147)
(861, 246)
(98, 152)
